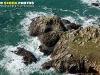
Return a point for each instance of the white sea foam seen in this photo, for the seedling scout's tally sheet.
(78, 15)
(71, 19)
(75, 13)
(63, 10)
(85, 21)
(90, 1)
(26, 21)
(31, 15)
(91, 22)
(14, 63)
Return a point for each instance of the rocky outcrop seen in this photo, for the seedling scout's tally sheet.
(47, 65)
(49, 39)
(71, 56)
(28, 57)
(45, 24)
(74, 26)
(70, 25)
(95, 4)
(72, 48)
(49, 30)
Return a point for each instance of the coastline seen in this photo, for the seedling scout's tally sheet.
(70, 49)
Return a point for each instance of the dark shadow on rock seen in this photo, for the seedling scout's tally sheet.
(91, 70)
(46, 50)
(47, 65)
(49, 39)
(74, 26)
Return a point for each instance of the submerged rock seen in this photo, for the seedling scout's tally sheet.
(28, 57)
(95, 4)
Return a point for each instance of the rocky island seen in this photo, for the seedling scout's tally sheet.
(73, 49)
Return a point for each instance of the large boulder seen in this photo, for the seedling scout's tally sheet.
(47, 65)
(50, 39)
(43, 24)
(70, 25)
(74, 26)
(28, 57)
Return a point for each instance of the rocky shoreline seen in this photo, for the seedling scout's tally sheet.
(72, 48)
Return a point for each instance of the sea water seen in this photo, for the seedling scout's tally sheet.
(14, 23)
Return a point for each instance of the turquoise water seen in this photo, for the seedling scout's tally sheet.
(14, 24)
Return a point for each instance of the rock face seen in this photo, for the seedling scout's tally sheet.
(70, 56)
(74, 50)
(48, 41)
(65, 21)
(50, 38)
(74, 26)
(46, 50)
(28, 57)
(69, 25)
(47, 29)
(47, 65)
(45, 24)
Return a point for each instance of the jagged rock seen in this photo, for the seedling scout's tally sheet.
(74, 51)
(95, 4)
(70, 25)
(89, 32)
(69, 57)
(47, 65)
(74, 26)
(43, 24)
(28, 57)
(49, 39)
(46, 50)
